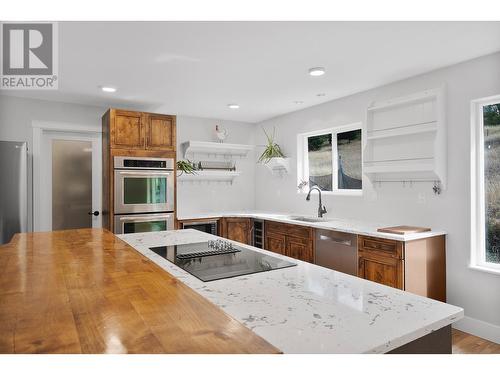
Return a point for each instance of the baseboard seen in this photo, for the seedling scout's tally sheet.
(479, 328)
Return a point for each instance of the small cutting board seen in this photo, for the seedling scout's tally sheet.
(403, 229)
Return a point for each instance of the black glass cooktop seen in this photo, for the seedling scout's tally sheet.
(219, 259)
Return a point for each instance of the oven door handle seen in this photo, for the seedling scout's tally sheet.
(145, 218)
(140, 173)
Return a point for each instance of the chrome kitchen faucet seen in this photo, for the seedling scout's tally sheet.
(321, 208)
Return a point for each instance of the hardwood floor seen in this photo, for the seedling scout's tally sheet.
(463, 343)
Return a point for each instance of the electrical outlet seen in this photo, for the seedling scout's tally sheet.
(422, 198)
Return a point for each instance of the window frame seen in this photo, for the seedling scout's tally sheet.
(303, 158)
(478, 201)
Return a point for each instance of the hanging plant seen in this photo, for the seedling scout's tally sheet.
(185, 166)
(272, 150)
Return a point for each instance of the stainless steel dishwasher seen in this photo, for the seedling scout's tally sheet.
(337, 250)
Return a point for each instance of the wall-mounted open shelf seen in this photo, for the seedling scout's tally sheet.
(199, 150)
(406, 139)
(278, 166)
(209, 176)
(429, 127)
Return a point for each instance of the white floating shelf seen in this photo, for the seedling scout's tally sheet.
(278, 165)
(405, 100)
(198, 150)
(403, 130)
(215, 176)
(406, 139)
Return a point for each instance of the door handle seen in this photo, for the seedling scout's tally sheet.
(95, 213)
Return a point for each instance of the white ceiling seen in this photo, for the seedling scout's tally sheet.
(197, 68)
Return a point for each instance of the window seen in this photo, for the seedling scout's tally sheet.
(331, 159)
(486, 184)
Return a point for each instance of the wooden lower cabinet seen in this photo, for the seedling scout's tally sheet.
(417, 266)
(383, 270)
(276, 243)
(294, 241)
(237, 229)
(299, 248)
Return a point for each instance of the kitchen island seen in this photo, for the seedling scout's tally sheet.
(311, 309)
(86, 291)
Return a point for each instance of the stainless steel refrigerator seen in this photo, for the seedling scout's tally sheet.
(13, 189)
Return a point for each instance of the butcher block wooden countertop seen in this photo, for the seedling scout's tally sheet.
(86, 291)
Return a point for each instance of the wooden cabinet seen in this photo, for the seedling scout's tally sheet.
(132, 130)
(381, 260)
(237, 229)
(299, 248)
(160, 132)
(415, 266)
(276, 243)
(126, 130)
(383, 270)
(133, 134)
(294, 241)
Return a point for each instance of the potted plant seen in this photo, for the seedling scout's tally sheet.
(273, 157)
(185, 166)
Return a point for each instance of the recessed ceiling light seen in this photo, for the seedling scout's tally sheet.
(233, 106)
(318, 71)
(321, 94)
(108, 89)
(298, 102)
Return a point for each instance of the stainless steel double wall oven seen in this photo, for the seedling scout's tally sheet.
(144, 194)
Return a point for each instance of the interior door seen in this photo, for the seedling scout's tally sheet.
(70, 184)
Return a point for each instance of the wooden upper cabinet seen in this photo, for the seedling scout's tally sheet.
(160, 132)
(130, 130)
(237, 229)
(127, 130)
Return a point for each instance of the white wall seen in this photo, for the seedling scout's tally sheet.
(478, 293)
(196, 197)
(17, 114)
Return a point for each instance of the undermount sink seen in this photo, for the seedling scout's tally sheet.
(308, 219)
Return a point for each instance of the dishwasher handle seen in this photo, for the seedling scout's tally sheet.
(336, 240)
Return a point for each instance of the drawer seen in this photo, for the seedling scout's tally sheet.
(381, 246)
(288, 229)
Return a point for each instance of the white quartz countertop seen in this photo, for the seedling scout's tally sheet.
(308, 308)
(343, 225)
